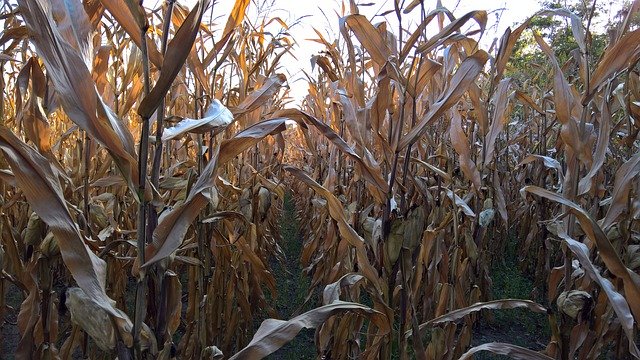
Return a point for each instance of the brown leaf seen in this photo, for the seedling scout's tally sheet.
(7, 177)
(606, 251)
(462, 147)
(577, 28)
(235, 19)
(458, 201)
(77, 92)
(616, 58)
(273, 334)
(601, 149)
(332, 291)
(368, 36)
(548, 162)
(259, 96)
(29, 314)
(433, 168)
(526, 99)
(458, 314)
(501, 202)
(513, 351)
(417, 33)
(123, 16)
(173, 227)
(73, 23)
(177, 51)
(336, 211)
(479, 16)
(631, 13)
(563, 99)
(621, 186)
(249, 137)
(39, 183)
(507, 43)
(36, 125)
(479, 108)
(96, 322)
(500, 118)
(371, 174)
(617, 301)
(466, 74)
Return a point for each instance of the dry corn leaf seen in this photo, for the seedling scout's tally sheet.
(513, 351)
(29, 314)
(336, 211)
(212, 353)
(489, 305)
(418, 32)
(617, 301)
(464, 76)
(93, 319)
(461, 145)
(369, 172)
(500, 118)
(36, 125)
(563, 99)
(621, 187)
(235, 19)
(173, 227)
(600, 152)
(73, 24)
(458, 201)
(501, 200)
(120, 11)
(507, 43)
(615, 59)
(260, 96)
(526, 99)
(606, 251)
(548, 162)
(479, 16)
(177, 51)
(273, 334)
(577, 28)
(77, 92)
(368, 36)
(40, 185)
(332, 291)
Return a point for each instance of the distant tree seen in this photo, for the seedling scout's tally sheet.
(528, 63)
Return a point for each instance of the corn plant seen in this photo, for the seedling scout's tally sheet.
(147, 153)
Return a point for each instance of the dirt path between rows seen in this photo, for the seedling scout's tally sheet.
(293, 286)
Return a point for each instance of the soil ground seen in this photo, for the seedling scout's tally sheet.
(9, 330)
(515, 326)
(293, 286)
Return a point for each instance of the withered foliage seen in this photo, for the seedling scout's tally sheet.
(146, 154)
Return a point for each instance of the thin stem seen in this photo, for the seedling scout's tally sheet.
(157, 159)
(407, 156)
(87, 165)
(140, 309)
(160, 317)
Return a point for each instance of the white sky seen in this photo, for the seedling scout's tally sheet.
(324, 14)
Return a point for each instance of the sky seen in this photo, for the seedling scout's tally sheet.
(323, 15)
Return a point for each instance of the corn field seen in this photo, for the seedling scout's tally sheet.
(147, 154)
